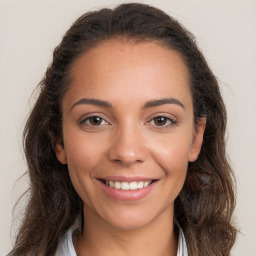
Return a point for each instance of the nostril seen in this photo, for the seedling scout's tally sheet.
(128, 147)
(127, 157)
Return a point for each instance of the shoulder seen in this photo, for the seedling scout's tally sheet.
(65, 246)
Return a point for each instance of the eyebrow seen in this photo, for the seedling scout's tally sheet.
(96, 102)
(159, 102)
(149, 104)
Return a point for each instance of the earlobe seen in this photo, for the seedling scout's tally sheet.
(197, 140)
(60, 153)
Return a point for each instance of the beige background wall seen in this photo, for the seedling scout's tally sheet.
(226, 33)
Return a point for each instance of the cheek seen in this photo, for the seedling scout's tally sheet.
(172, 156)
(83, 156)
(172, 151)
(82, 151)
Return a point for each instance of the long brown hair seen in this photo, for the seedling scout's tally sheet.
(205, 205)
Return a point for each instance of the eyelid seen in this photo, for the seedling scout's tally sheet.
(93, 114)
(163, 114)
(170, 117)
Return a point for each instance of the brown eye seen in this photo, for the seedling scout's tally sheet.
(94, 121)
(160, 120)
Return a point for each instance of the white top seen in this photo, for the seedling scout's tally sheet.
(66, 246)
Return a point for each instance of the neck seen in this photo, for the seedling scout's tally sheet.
(99, 238)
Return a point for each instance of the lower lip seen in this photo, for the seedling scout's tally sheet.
(127, 195)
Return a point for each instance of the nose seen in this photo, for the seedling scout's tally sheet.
(127, 146)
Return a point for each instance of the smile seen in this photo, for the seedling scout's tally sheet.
(134, 185)
(127, 188)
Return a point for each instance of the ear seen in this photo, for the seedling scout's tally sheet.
(197, 140)
(60, 152)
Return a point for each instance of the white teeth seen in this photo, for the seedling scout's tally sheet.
(111, 184)
(125, 186)
(133, 185)
(140, 184)
(128, 185)
(117, 184)
(145, 184)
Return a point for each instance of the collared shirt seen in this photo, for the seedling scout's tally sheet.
(182, 245)
(66, 246)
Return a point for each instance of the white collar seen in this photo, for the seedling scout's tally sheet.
(182, 245)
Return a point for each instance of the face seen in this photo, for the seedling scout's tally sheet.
(128, 132)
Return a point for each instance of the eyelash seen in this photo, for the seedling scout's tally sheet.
(168, 121)
(90, 118)
(87, 120)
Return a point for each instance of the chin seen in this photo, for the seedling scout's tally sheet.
(128, 223)
(130, 220)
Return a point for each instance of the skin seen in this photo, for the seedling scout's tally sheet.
(127, 141)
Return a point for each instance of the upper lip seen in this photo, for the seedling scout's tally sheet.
(126, 178)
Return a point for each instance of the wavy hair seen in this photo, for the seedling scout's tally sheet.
(205, 205)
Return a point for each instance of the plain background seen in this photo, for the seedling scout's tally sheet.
(226, 33)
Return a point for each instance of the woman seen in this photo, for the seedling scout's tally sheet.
(125, 144)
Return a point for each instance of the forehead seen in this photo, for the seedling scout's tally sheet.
(119, 68)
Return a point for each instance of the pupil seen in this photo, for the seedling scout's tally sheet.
(160, 120)
(96, 120)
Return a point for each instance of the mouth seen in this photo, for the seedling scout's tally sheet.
(124, 185)
(127, 189)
